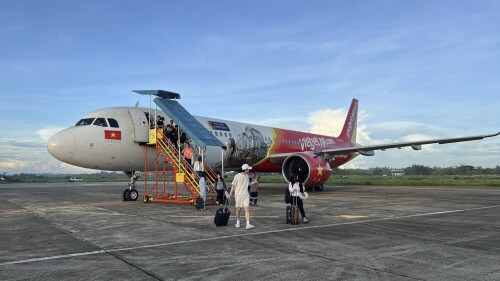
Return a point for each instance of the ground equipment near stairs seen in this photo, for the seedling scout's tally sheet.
(168, 177)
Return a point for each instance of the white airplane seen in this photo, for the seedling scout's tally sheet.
(115, 139)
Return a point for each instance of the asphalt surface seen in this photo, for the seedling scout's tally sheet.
(83, 231)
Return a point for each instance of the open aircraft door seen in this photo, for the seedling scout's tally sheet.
(141, 125)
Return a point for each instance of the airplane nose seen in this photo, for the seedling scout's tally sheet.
(62, 146)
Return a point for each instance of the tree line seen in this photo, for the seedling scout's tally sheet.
(421, 170)
(414, 170)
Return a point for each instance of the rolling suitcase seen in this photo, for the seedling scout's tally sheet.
(288, 214)
(199, 203)
(292, 213)
(222, 215)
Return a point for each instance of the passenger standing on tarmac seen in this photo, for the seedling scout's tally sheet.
(294, 191)
(220, 187)
(202, 185)
(188, 152)
(254, 185)
(240, 190)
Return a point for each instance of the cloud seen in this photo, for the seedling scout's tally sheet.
(327, 121)
(400, 130)
(18, 144)
(48, 132)
(14, 165)
(331, 121)
(44, 165)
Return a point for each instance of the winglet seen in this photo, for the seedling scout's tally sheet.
(351, 122)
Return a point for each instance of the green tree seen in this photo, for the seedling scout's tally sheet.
(418, 170)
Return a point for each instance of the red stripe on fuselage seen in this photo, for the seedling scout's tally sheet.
(286, 141)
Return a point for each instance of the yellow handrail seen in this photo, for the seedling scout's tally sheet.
(168, 148)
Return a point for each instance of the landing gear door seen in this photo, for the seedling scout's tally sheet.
(141, 126)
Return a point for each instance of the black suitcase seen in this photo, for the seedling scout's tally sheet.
(292, 214)
(222, 216)
(199, 203)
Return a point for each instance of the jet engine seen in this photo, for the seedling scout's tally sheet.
(313, 170)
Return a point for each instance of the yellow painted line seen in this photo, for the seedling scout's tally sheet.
(11, 212)
(351, 217)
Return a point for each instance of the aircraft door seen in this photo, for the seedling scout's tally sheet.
(141, 125)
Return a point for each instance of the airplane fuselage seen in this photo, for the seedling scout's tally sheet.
(117, 143)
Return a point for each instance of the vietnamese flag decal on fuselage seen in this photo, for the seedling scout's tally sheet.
(112, 135)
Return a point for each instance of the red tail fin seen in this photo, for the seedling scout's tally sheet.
(351, 122)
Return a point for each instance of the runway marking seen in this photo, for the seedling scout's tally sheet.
(350, 217)
(211, 216)
(236, 235)
(69, 209)
(12, 212)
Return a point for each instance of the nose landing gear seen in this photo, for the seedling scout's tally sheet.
(131, 194)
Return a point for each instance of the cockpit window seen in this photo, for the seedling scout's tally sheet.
(85, 122)
(113, 123)
(100, 122)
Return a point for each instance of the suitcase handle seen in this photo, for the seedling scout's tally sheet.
(226, 203)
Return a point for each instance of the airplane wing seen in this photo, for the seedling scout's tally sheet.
(416, 145)
(369, 149)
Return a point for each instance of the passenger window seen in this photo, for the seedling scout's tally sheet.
(216, 134)
(225, 134)
(100, 122)
(85, 122)
(113, 123)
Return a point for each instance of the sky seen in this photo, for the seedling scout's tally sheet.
(420, 70)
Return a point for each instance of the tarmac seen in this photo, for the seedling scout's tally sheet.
(84, 231)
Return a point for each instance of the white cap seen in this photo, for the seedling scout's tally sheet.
(246, 167)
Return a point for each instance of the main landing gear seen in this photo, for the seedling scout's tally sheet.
(315, 188)
(318, 188)
(131, 194)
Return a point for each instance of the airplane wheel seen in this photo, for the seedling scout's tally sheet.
(133, 195)
(146, 199)
(318, 188)
(126, 195)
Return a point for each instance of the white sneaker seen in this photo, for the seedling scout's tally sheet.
(237, 224)
(249, 226)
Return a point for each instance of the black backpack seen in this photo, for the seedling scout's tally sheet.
(288, 196)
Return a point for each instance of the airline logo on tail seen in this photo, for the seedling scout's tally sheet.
(351, 123)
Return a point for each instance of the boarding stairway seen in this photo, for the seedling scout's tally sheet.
(181, 177)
